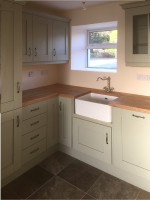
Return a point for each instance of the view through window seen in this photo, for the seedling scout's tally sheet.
(102, 49)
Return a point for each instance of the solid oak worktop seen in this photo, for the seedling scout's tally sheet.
(126, 101)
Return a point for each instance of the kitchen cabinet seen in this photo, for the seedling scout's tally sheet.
(34, 133)
(11, 57)
(52, 135)
(132, 141)
(92, 139)
(37, 33)
(44, 39)
(60, 41)
(11, 142)
(137, 35)
(65, 121)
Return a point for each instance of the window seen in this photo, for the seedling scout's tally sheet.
(102, 48)
(94, 47)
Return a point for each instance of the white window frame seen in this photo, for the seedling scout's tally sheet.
(99, 46)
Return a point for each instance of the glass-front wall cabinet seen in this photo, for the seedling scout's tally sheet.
(137, 36)
(140, 34)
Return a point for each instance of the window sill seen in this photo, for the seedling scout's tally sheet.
(96, 70)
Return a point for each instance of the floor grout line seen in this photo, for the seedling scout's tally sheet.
(40, 187)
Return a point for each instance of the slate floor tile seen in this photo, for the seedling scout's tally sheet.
(26, 184)
(80, 174)
(109, 187)
(144, 195)
(57, 188)
(88, 197)
(57, 162)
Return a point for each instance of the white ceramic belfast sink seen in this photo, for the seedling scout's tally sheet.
(94, 106)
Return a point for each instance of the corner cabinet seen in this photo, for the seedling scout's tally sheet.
(45, 39)
(92, 139)
(11, 57)
(65, 121)
(11, 142)
(132, 141)
(137, 35)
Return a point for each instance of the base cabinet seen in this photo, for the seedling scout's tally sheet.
(34, 133)
(52, 135)
(132, 141)
(65, 121)
(92, 139)
(11, 142)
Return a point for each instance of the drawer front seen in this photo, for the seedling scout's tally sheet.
(34, 123)
(34, 110)
(33, 137)
(33, 151)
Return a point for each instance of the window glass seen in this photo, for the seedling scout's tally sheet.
(102, 49)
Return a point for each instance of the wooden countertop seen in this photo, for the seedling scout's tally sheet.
(126, 101)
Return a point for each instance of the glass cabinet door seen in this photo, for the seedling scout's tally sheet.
(137, 36)
(140, 34)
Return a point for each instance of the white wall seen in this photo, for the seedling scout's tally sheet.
(41, 75)
(125, 80)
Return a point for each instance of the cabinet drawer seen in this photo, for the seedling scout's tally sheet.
(33, 137)
(34, 123)
(34, 109)
(33, 151)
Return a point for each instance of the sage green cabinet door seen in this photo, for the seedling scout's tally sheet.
(131, 141)
(42, 39)
(11, 56)
(92, 139)
(136, 138)
(52, 135)
(65, 121)
(11, 142)
(137, 36)
(60, 41)
(27, 37)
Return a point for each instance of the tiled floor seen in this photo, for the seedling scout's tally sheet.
(63, 177)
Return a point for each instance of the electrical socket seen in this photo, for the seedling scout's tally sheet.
(30, 74)
(143, 77)
(44, 72)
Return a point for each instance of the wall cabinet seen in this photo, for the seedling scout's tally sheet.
(11, 58)
(137, 38)
(65, 121)
(132, 141)
(52, 135)
(11, 142)
(92, 139)
(44, 39)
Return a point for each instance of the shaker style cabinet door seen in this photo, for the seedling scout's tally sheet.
(42, 39)
(27, 50)
(11, 142)
(65, 121)
(52, 135)
(11, 56)
(60, 41)
(92, 139)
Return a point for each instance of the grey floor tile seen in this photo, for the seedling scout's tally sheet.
(26, 184)
(80, 174)
(57, 162)
(57, 188)
(109, 187)
(144, 195)
(88, 197)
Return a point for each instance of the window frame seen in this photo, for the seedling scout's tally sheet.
(100, 46)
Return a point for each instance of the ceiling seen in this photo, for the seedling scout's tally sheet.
(68, 5)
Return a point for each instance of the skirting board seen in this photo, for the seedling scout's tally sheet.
(110, 169)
